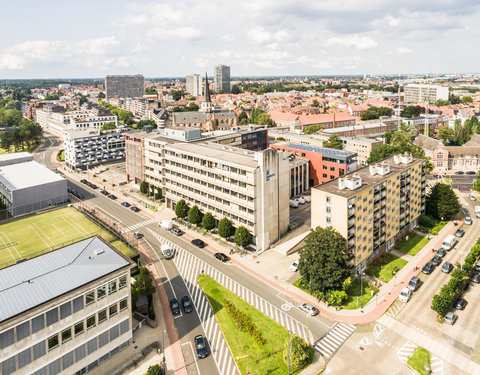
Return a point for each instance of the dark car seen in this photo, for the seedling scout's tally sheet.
(135, 209)
(137, 235)
(470, 172)
(69, 189)
(221, 256)
(104, 192)
(176, 231)
(198, 243)
(459, 233)
(441, 253)
(200, 346)
(476, 278)
(93, 186)
(447, 267)
(174, 306)
(80, 196)
(459, 172)
(428, 268)
(414, 283)
(113, 197)
(187, 304)
(460, 303)
(436, 260)
(83, 181)
(125, 204)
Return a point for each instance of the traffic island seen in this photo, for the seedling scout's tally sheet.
(420, 361)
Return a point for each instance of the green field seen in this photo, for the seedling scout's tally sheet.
(414, 244)
(48, 231)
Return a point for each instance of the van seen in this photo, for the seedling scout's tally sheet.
(405, 295)
(477, 211)
(167, 252)
(449, 242)
(166, 224)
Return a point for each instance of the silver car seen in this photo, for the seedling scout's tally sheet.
(308, 309)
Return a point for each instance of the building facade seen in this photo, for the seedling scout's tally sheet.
(70, 319)
(222, 78)
(124, 86)
(194, 84)
(373, 207)
(415, 93)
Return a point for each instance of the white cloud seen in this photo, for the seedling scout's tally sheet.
(404, 50)
(227, 38)
(351, 41)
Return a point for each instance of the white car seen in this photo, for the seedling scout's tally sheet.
(309, 309)
(301, 200)
(468, 220)
(294, 266)
(472, 196)
(293, 203)
(307, 198)
(405, 295)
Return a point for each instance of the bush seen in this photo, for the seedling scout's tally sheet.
(194, 215)
(337, 298)
(181, 209)
(225, 228)
(426, 221)
(144, 187)
(299, 355)
(208, 221)
(154, 370)
(151, 313)
(243, 321)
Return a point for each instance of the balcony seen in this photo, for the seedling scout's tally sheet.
(351, 212)
(351, 242)
(351, 222)
(351, 233)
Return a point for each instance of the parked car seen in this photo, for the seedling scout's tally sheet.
(436, 260)
(451, 318)
(104, 192)
(174, 307)
(80, 196)
(112, 197)
(460, 303)
(459, 172)
(301, 200)
(83, 181)
(176, 231)
(472, 197)
(459, 232)
(200, 346)
(468, 220)
(221, 256)
(198, 243)
(187, 304)
(69, 189)
(93, 186)
(294, 266)
(125, 204)
(441, 253)
(293, 203)
(470, 172)
(307, 198)
(405, 295)
(137, 235)
(475, 278)
(447, 267)
(477, 266)
(414, 283)
(308, 309)
(428, 268)
(135, 209)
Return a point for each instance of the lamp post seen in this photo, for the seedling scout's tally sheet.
(361, 289)
(163, 351)
(289, 333)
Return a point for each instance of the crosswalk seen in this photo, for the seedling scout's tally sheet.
(329, 344)
(133, 227)
(395, 308)
(407, 350)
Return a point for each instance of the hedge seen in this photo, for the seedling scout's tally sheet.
(243, 321)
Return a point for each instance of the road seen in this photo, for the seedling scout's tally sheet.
(188, 325)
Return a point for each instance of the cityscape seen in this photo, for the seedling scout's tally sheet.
(293, 191)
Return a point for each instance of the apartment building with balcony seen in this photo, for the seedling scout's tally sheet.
(65, 312)
(373, 207)
(414, 93)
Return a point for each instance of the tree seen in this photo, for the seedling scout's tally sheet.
(101, 95)
(176, 95)
(312, 129)
(158, 194)
(154, 370)
(299, 352)
(442, 203)
(476, 183)
(315, 103)
(181, 209)
(208, 221)
(375, 112)
(225, 228)
(108, 126)
(52, 96)
(471, 126)
(141, 124)
(194, 215)
(242, 237)
(242, 118)
(260, 117)
(143, 282)
(323, 260)
(446, 134)
(144, 185)
(334, 142)
(408, 128)
(412, 111)
(235, 90)
(467, 99)
(441, 102)
(459, 133)
(453, 99)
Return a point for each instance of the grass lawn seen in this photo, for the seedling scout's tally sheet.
(415, 243)
(50, 230)
(382, 268)
(263, 359)
(420, 359)
(438, 227)
(448, 180)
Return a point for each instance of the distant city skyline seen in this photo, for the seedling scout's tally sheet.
(262, 38)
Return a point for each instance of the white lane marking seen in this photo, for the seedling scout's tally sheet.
(194, 356)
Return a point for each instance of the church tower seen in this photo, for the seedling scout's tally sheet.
(207, 105)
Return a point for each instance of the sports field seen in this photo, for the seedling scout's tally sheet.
(45, 232)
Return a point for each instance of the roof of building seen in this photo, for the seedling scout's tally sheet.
(327, 152)
(26, 285)
(188, 117)
(474, 141)
(326, 118)
(463, 150)
(27, 174)
(427, 143)
(13, 156)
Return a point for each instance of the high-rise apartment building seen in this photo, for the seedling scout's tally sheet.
(194, 84)
(222, 78)
(418, 93)
(124, 86)
(373, 207)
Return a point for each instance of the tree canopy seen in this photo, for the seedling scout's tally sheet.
(312, 129)
(26, 133)
(181, 209)
(242, 236)
(225, 228)
(375, 112)
(141, 124)
(412, 111)
(442, 203)
(334, 142)
(108, 126)
(243, 118)
(194, 215)
(446, 134)
(208, 221)
(260, 117)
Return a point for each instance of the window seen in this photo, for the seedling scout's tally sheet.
(324, 175)
(102, 316)
(89, 298)
(325, 167)
(101, 292)
(52, 316)
(67, 335)
(332, 169)
(52, 342)
(328, 219)
(91, 322)
(112, 310)
(78, 328)
(123, 304)
(112, 287)
(328, 209)
(122, 282)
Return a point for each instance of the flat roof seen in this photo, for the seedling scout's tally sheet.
(26, 285)
(27, 174)
(15, 155)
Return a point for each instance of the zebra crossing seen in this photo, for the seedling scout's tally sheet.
(133, 227)
(329, 344)
(407, 350)
(395, 308)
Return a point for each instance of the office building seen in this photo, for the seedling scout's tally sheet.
(124, 86)
(194, 84)
(222, 78)
(66, 311)
(415, 93)
(372, 207)
(27, 186)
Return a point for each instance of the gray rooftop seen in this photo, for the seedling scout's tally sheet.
(38, 280)
(27, 174)
(14, 158)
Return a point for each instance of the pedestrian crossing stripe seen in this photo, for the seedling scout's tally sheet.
(139, 225)
(330, 343)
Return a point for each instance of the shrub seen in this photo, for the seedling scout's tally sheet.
(225, 228)
(154, 370)
(194, 215)
(426, 221)
(181, 209)
(151, 313)
(242, 237)
(298, 352)
(337, 297)
(144, 187)
(243, 321)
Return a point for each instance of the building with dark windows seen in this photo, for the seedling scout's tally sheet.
(222, 78)
(124, 86)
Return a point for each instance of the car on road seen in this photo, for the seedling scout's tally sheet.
(308, 309)
(460, 232)
(447, 267)
(187, 305)
(125, 204)
(459, 172)
(470, 172)
(428, 268)
(468, 220)
(451, 318)
(135, 209)
(174, 307)
(460, 303)
(436, 260)
(200, 346)
(198, 243)
(405, 295)
(294, 266)
(112, 197)
(80, 196)
(104, 192)
(176, 231)
(307, 198)
(137, 235)
(93, 186)
(414, 283)
(475, 278)
(472, 197)
(441, 253)
(83, 181)
(221, 256)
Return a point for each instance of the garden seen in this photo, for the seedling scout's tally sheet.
(420, 361)
(413, 244)
(385, 267)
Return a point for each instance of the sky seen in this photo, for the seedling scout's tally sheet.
(172, 38)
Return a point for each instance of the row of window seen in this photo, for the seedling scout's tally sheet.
(206, 163)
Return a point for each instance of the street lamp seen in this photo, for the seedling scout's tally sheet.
(289, 333)
(361, 289)
(163, 351)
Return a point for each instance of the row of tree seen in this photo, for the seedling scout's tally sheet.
(25, 135)
(151, 190)
(123, 116)
(373, 113)
(460, 134)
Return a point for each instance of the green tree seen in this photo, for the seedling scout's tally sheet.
(299, 352)
(375, 113)
(446, 134)
(144, 185)
(471, 126)
(208, 221)
(454, 99)
(315, 103)
(225, 228)
(476, 183)
(235, 90)
(242, 237)
(176, 95)
(141, 124)
(194, 215)
(334, 142)
(312, 129)
(323, 260)
(108, 126)
(101, 95)
(412, 111)
(441, 303)
(242, 118)
(181, 209)
(260, 117)
(158, 193)
(441, 102)
(459, 133)
(154, 370)
(52, 96)
(144, 282)
(442, 203)
(408, 128)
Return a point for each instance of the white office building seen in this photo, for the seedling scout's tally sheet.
(194, 84)
(415, 93)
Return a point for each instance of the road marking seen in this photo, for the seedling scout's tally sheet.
(194, 355)
(378, 330)
(139, 225)
(406, 351)
(339, 333)
(365, 341)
